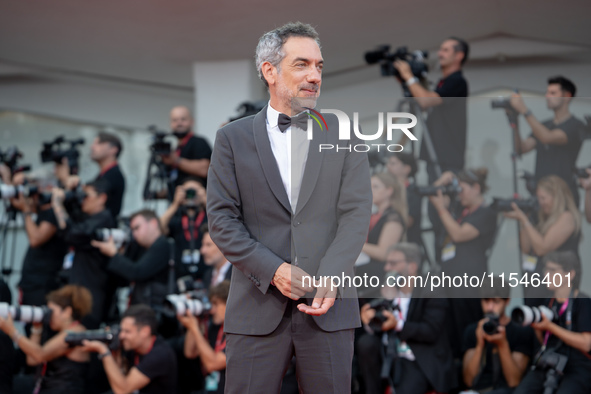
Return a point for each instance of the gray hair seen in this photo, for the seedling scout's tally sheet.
(411, 251)
(270, 46)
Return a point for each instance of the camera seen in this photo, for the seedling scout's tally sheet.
(525, 315)
(553, 363)
(159, 146)
(120, 236)
(380, 305)
(415, 59)
(195, 302)
(491, 327)
(529, 205)
(502, 103)
(52, 152)
(11, 157)
(448, 190)
(530, 182)
(14, 191)
(581, 172)
(25, 313)
(107, 336)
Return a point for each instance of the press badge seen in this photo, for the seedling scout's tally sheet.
(211, 381)
(448, 252)
(529, 263)
(68, 260)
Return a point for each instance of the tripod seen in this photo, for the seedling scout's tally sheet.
(9, 220)
(158, 175)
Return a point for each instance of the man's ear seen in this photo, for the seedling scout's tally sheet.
(269, 73)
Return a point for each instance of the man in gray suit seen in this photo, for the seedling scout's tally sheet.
(281, 210)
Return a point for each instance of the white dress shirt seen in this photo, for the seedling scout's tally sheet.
(291, 152)
(219, 276)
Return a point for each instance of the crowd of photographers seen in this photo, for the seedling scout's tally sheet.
(170, 338)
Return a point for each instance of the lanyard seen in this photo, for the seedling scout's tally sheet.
(103, 172)
(198, 221)
(220, 342)
(183, 142)
(560, 313)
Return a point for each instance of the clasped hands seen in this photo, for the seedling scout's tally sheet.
(289, 279)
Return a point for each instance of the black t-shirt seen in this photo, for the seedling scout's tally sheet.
(159, 366)
(581, 322)
(178, 229)
(447, 123)
(560, 159)
(115, 189)
(7, 351)
(41, 264)
(521, 339)
(149, 269)
(196, 148)
(217, 340)
(470, 256)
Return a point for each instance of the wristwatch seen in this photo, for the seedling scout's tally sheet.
(527, 113)
(412, 80)
(105, 354)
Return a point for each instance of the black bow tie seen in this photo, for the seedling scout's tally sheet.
(300, 121)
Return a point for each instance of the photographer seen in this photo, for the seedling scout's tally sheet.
(463, 251)
(496, 350)
(104, 151)
(423, 359)
(44, 257)
(151, 362)
(88, 265)
(558, 227)
(213, 257)
(557, 141)
(150, 273)
(404, 166)
(586, 184)
(182, 221)
(568, 335)
(447, 120)
(65, 368)
(191, 158)
(210, 348)
(387, 226)
(7, 352)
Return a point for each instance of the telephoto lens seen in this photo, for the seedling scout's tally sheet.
(107, 336)
(119, 236)
(179, 304)
(525, 315)
(25, 313)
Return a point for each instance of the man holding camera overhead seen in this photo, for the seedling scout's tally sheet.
(496, 350)
(192, 155)
(150, 274)
(150, 362)
(557, 141)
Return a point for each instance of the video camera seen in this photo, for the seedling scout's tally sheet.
(10, 158)
(415, 59)
(25, 313)
(108, 336)
(529, 205)
(448, 190)
(159, 146)
(52, 152)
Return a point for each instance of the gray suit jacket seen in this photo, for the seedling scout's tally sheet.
(250, 220)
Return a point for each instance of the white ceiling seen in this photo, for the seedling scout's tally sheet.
(156, 42)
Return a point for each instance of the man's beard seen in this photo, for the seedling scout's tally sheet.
(297, 103)
(181, 133)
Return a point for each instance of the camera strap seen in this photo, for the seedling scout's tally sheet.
(191, 228)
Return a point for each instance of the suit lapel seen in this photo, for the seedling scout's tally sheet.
(268, 162)
(312, 169)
